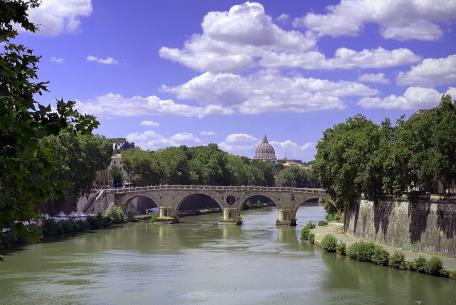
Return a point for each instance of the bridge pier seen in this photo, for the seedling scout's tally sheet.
(167, 215)
(286, 218)
(231, 216)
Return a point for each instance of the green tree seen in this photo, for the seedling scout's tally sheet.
(76, 158)
(143, 167)
(293, 176)
(24, 168)
(343, 157)
(117, 176)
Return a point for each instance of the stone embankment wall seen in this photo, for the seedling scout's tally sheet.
(419, 225)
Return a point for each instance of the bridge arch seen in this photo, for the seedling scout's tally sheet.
(263, 198)
(128, 202)
(210, 201)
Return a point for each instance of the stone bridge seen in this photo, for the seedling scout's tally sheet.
(231, 199)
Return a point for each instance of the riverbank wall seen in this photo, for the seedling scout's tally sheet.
(418, 225)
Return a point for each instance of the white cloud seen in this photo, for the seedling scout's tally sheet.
(268, 91)
(55, 17)
(207, 133)
(430, 72)
(233, 40)
(57, 60)
(105, 61)
(413, 98)
(245, 37)
(344, 58)
(112, 104)
(283, 18)
(398, 19)
(150, 123)
(293, 150)
(245, 144)
(373, 78)
(152, 140)
(184, 137)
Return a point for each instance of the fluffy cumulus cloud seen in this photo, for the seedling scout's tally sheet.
(245, 37)
(100, 60)
(344, 58)
(245, 144)
(239, 143)
(430, 72)
(55, 17)
(149, 123)
(413, 98)
(374, 78)
(233, 40)
(398, 19)
(112, 104)
(152, 140)
(267, 91)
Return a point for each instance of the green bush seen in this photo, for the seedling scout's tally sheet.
(380, 256)
(322, 223)
(305, 232)
(418, 264)
(361, 251)
(329, 243)
(115, 213)
(434, 266)
(397, 260)
(98, 222)
(341, 248)
(312, 238)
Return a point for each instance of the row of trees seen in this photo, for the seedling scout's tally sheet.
(208, 165)
(36, 141)
(358, 156)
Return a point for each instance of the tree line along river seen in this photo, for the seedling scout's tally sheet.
(200, 262)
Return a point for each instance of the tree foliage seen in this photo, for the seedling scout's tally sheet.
(76, 158)
(208, 165)
(293, 176)
(358, 156)
(24, 168)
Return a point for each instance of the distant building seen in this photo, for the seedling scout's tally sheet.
(104, 178)
(265, 151)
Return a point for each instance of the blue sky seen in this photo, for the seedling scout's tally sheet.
(174, 72)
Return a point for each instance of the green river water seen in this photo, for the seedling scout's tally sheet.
(199, 262)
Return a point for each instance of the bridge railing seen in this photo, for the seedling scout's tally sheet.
(217, 188)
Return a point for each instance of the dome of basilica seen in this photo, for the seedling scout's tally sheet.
(265, 151)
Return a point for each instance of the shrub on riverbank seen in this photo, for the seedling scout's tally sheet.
(322, 223)
(341, 248)
(305, 232)
(434, 266)
(115, 213)
(397, 260)
(329, 243)
(361, 251)
(380, 256)
(418, 264)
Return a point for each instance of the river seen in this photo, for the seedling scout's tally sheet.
(199, 262)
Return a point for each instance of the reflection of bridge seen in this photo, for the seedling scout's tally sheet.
(231, 199)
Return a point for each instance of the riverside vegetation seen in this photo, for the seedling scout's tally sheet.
(366, 251)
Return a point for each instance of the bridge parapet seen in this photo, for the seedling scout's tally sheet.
(217, 188)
